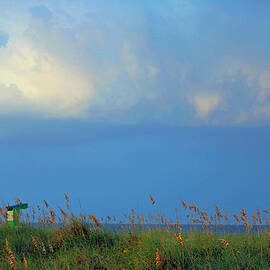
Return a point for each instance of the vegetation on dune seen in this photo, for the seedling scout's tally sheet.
(83, 242)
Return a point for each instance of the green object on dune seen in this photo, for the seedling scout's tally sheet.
(13, 213)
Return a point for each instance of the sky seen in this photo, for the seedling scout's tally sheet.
(111, 100)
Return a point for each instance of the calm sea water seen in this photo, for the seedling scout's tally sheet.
(232, 229)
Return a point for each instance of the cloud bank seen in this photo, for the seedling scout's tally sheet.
(177, 62)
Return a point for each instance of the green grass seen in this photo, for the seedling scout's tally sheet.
(77, 246)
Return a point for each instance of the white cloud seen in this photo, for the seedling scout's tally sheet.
(94, 63)
(263, 111)
(58, 73)
(11, 99)
(44, 84)
(130, 60)
(74, 64)
(256, 77)
(152, 71)
(205, 103)
(249, 72)
(264, 83)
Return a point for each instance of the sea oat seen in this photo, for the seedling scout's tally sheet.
(179, 239)
(66, 197)
(35, 244)
(243, 213)
(25, 264)
(43, 248)
(184, 204)
(59, 236)
(11, 257)
(63, 212)
(152, 199)
(46, 203)
(226, 243)
(51, 248)
(53, 215)
(158, 259)
(236, 218)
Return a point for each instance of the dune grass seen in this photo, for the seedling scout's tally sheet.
(81, 243)
(86, 248)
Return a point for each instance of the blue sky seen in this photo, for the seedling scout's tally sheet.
(110, 100)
